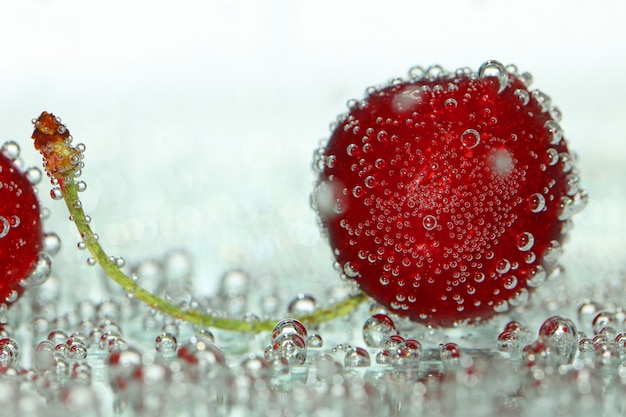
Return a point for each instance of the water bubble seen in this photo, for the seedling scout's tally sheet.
(5, 226)
(429, 222)
(357, 357)
(503, 266)
(291, 347)
(289, 326)
(408, 354)
(166, 343)
(350, 270)
(536, 276)
(11, 150)
(450, 104)
(416, 73)
(9, 351)
(56, 193)
(602, 320)
(315, 341)
(552, 252)
(522, 95)
(495, 69)
(554, 131)
(11, 296)
(234, 283)
(560, 336)
(501, 306)
(34, 175)
(510, 282)
(303, 304)
(51, 243)
(543, 99)
(508, 342)
(525, 241)
(587, 311)
(470, 138)
(450, 354)
(377, 329)
(41, 273)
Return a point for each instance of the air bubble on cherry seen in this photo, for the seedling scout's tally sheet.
(495, 69)
(429, 222)
(470, 138)
(11, 150)
(536, 276)
(536, 202)
(5, 226)
(525, 241)
(40, 273)
(522, 95)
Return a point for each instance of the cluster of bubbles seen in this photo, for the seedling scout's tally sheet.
(100, 358)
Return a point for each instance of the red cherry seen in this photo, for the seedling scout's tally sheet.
(21, 233)
(446, 197)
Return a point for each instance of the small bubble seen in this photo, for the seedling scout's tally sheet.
(560, 336)
(350, 270)
(450, 104)
(5, 226)
(303, 304)
(503, 266)
(508, 342)
(166, 343)
(543, 99)
(377, 329)
(357, 357)
(522, 95)
(552, 156)
(429, 222)
(525, 241)
(501, 306)
(290, 347)
(495, 69)
(510, 282)
(11, 150)
(554, 131)
(601, 320)
(289, 326)
(470, 138)
(552, 253)
(51, 243)
(536, 277)
(450, 354)
(41, 273)
(536, 202)
(357, 191)
(56, 193)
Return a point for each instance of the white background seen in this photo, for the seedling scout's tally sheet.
(200, 117)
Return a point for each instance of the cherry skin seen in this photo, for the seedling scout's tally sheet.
(21, 234)
(446, 198)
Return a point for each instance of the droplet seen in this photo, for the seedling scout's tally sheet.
(503, 266)
(450, 354)
(166, 343)
(56, 193)
(289, 326)
(536, 276)
(450, 104)
(290, 347)
(508, 342)
(554, 131)
(553, 252)
(5, 226)
(303, 304)
(41, 273)
(536, 202)
(11, 150)
(377, 329)
(51, 243)
(560, 336)
(470, 138)
(495, 69)
(429, 222)
(357, 357)
(522, 95)
(525, 241)
(350, 270)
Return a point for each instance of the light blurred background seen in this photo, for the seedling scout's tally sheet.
(200, 117)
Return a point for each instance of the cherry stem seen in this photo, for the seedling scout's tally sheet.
(69, 190)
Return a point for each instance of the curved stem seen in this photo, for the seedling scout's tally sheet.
(69, 190)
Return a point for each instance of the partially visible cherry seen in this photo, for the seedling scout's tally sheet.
(21, 235)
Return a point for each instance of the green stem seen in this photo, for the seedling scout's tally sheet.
(69, 190)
